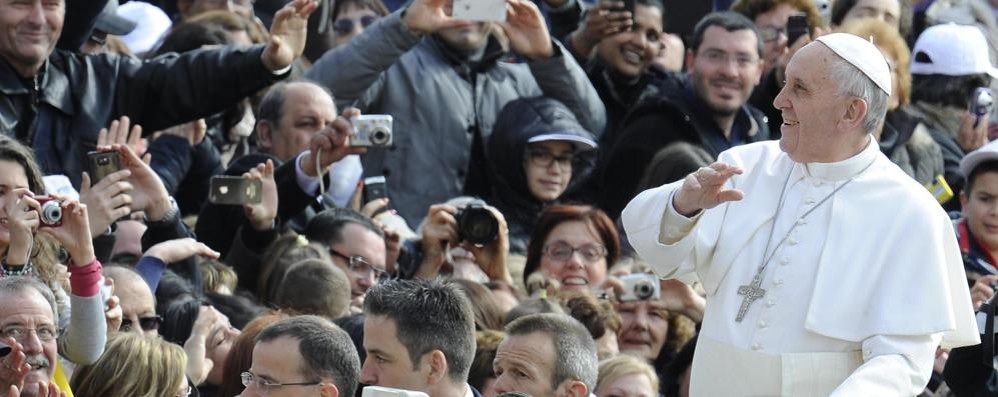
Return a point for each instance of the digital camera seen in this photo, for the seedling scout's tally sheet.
(372, 130)
(476, 224)
(50, 212)
(640, 286)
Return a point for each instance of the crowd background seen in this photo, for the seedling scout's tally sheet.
(515, 146)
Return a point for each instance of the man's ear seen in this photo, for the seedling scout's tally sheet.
(264, 134)
(572, 388)
(689, 60)
(963, 198)
(328, 389)
(855, 114)
(438, 366)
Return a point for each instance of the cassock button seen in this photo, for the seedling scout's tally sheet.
(770, 303)
(792, 241)
(778, 281)
(756, 346)
(802, 221)
(785, 261)
(809, 201)
(762, 324)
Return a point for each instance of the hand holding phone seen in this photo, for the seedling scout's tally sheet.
(102, 164)
(796, 27)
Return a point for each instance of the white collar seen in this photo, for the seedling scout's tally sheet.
(845, 169)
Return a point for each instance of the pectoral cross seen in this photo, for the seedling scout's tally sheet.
(752, 291)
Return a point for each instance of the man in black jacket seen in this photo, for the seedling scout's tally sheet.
(707, 108)
(56, 101)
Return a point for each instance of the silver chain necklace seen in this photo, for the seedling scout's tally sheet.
(753, 290)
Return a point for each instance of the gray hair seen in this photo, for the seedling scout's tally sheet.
(19, 284)
(575, 349)
(853, 82)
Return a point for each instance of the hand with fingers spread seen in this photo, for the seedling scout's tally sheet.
(118, 133)
(607, 18)
(149, 194)
(74, 234)
(263, 214)
(173, 251)
(526, 30)
(704, 189)
(108, 200)
(22, 222)
(287, 34)
(333, 142)
(14, 367)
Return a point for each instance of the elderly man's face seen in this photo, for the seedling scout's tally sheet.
(307, 110)
(29, 30)
(32, 323)
(525, 363)
(725, 69)
(811, 106)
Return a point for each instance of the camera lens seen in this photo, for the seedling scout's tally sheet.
(51, 213)
(380, 136)
(477, 225)
(643, 290)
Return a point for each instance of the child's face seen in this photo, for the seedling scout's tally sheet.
(980, 208)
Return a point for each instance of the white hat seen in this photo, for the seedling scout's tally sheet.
(580, 142)
(863, 55)
(152, 24)
(975, 158)
(952, 50)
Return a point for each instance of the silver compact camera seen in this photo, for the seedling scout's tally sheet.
(640, 287)
(372, 130)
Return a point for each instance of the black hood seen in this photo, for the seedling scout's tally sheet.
(518, 122)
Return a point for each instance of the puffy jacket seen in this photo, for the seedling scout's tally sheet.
(519, 121)
(77, 95)
(439, 103)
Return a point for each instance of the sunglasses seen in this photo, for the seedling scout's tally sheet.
(346, 25)
(150, 323)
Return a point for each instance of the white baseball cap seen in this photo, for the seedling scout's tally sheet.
(952, 50)
(975, 158)
(862, 54)
(152, 24)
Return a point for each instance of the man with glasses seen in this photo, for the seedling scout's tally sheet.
(138, 304)
(357, 246)
(303, 355)
(28, 324)
(708, 108)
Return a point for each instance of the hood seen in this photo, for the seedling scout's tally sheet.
(528, 120)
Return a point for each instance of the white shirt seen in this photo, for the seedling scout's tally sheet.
(870, 274)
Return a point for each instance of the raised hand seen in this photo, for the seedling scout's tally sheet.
(526, 30)
(704, 189)
(112, 310)
(333, 142)
(491, 258)
(428, 16)
(439, 230)
(108, 200)
(196, 346)
(607, 18)
(74, 234)
(14, 366)
(118, 133)
(262, 215)
(22, 220)
(287, 34)
(172, 251)
(149, 194)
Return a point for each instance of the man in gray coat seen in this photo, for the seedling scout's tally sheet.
(444, 81)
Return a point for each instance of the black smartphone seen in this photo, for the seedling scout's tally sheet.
(374, 188)
(796, 27)
(102, 164)
(235, 190)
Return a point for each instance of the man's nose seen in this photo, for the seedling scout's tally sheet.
(501, 385)
(368, 375)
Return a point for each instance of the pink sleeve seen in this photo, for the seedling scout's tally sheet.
(84, 280)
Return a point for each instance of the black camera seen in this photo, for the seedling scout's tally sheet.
(476, 224)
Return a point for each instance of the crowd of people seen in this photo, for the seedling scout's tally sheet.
(327, 198)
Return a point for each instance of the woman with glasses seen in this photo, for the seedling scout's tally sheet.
(347, 19)
(573, 245)
(135, 365)
(536, 153)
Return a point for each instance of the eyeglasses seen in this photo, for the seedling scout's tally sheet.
(715, 57)
(266, 386)
(771, 33)
(150, 323)
(563, 252)
(360, 266)
(20, 334)
(544, 159)
(345, 25)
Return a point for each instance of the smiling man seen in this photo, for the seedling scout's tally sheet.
(707, 107)
(795, 242)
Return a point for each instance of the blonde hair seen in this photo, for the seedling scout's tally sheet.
(622, 365)
(216, 275)
(132, 365)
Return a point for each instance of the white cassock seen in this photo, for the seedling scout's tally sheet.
(858, 295)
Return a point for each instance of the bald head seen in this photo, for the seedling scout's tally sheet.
(138, 305)
(290, 114)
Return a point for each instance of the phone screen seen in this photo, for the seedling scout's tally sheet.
(796, 27)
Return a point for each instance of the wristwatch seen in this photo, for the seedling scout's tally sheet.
(169, 217)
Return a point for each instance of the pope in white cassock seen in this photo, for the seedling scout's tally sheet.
(828, 271)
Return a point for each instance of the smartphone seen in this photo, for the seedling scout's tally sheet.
(374, 188)
(981, 103)
(796, 27)
(235, 190)
(480, 10)
(102, 164)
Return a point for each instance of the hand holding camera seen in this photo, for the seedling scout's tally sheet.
(331, 145)
(607, 18)
(527, 31)
(479, 228)
(66, 220)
